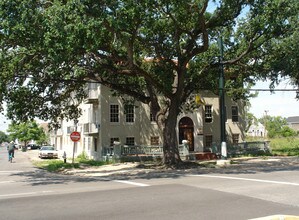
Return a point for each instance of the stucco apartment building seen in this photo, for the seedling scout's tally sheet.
(107, 119)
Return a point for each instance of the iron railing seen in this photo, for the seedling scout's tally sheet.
(149, 150)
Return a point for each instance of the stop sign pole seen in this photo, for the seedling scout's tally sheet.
(75, 137)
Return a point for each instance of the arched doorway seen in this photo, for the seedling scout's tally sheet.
(186, 130)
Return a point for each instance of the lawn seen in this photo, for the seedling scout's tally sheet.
(285, 146)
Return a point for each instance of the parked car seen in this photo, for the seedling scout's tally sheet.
(32, 146)
(48, 152)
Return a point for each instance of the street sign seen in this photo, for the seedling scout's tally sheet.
(75, 136)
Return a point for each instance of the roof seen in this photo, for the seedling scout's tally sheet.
(293, 119)
(257, 126)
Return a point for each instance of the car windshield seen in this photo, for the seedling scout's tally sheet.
(47, 148)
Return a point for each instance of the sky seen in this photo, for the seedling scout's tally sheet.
(281, 103)
(3, 123)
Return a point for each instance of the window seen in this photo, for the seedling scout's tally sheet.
(114, 113)
(113, 139)
(208, 113)
(235, 115)
(70, 129)
(130, 141)
(129, 112)
(154, 140)
(235, 139)
(208, 141)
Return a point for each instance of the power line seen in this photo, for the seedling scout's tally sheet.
(275, 90)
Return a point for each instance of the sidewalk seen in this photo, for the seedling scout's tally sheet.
(105, 170)
(237, 165)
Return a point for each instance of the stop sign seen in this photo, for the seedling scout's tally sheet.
(75, 136)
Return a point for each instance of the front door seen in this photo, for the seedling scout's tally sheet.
(186, 130)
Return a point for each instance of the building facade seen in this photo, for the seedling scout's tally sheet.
(106, 119)
(257, 130)
(293, 122)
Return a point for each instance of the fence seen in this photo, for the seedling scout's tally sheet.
(126, 150)
(254, 147)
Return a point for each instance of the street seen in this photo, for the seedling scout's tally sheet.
(30, 193)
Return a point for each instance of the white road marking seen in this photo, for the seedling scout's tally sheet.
(247, 179)
(131, 183)
(10, 171)
(25, 194)
(9, 181)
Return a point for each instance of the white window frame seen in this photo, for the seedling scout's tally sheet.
(209, 113)
(129, 113)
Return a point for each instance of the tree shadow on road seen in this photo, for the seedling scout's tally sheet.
(238, 166)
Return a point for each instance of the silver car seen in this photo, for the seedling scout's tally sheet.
(48, 152)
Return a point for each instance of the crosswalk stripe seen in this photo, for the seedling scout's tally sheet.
(9, 181)
(131, 183)
(11, 171)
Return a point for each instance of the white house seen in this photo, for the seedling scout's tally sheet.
(257, 130)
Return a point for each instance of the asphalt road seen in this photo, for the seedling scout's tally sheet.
(30, 193)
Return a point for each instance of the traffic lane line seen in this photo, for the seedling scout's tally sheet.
(25, 194)
(247, 179)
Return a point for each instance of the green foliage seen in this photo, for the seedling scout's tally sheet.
(26, 132)
(83, 159)
(83, 156)
(276, 126)
(285, 146)
(51, 49)
(59, 165)
(54, 165)
(146, 49)
(3, 137)
(286, 131)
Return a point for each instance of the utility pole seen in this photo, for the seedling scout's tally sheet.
(265, 123)
(222, 102)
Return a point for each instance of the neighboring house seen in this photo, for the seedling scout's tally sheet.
(293, 122)
(107, 119)
(257, 130)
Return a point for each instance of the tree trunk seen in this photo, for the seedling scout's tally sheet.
(171, 154)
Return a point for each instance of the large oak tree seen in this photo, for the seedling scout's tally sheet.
(158, 52)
